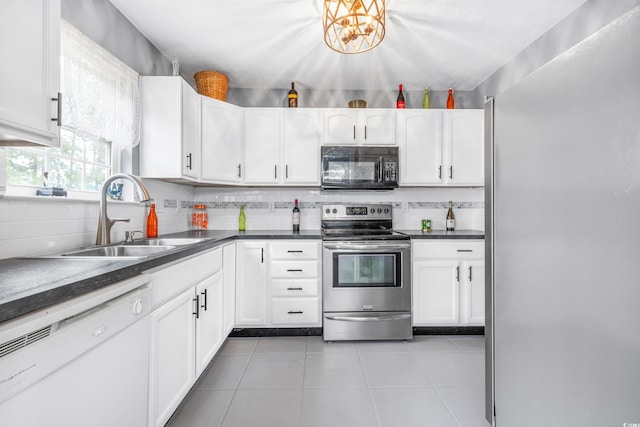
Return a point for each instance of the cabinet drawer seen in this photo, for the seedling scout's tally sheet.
(295, 287)
(295, 311)
(295, 250)
(169, 282)
(295, 269)
(452, 249)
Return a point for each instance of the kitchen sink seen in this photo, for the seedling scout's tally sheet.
(177, 241)
(119, 251)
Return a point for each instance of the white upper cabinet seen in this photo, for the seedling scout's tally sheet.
(170, 131)
(222, 141)
(463, 136)
(282, 146)
(301, 147)
(30, 75)
(344, 126)
(420, 146)
(262, 140)
(441, 147)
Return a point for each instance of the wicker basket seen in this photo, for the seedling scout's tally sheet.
(212, 84)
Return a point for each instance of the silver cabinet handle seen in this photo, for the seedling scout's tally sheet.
(58, 119)
(197, 301)
(295, 312)
(365, 132)
(294, 270)
(450, 172)
(204, 295)
(458, 273)
(262, 255)
(275, 171)
(286, 171)
(295, 252)
(189, 161)
(294, 289)
(464, 250)
(470, 273)
(440, 172)
(354, 131)
(239, 170)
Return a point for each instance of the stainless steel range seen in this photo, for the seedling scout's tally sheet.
(366, 278)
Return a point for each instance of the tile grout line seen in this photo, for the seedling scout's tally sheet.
(235, 391)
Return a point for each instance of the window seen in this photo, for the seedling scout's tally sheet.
(100, 120)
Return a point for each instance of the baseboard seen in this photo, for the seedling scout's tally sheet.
(317, 332)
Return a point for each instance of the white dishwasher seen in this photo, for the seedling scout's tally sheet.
(80, 363)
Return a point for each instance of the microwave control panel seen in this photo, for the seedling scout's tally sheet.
(390, 171)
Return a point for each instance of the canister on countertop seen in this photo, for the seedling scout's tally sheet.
(426, 225)
(199, 217)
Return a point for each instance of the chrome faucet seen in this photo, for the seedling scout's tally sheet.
(104, 222)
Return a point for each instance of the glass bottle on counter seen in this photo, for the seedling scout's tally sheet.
(451, 220)
(152, 222)
(242, 220)
(296, 217)
(292, 96)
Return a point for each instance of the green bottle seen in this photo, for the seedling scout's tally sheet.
(426, 103)
(242, 221)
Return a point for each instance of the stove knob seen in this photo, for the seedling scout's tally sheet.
(335, 211)
(372, 210)
(386, 210)
(379, 210)
(327, 210)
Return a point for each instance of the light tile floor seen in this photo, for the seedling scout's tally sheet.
(304, 382)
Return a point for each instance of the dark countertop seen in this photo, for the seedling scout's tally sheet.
(32, 283)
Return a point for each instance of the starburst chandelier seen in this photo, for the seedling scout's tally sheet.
(353, 26)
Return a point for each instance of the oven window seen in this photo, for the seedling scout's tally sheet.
(366, 270)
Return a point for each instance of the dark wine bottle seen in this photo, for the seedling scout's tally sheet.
(296, 216)
(451, 220)
(293, 96)
(400, 99)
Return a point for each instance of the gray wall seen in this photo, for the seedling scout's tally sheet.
(583, 22)
(103, 23)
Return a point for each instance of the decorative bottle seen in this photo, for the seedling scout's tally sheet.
(296, 217)
(242, 221)
(293, 97)
(426, 102)
(451, 220)
(451, 103)
(152, 222)
(400, 99)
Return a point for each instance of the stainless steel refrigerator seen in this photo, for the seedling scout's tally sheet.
(563, 238)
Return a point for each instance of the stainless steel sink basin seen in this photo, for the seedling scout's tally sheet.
(177, 241)
(119, 251)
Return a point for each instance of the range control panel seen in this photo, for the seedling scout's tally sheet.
(357, 212)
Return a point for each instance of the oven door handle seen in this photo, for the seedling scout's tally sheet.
(369, 318)
(361, 247)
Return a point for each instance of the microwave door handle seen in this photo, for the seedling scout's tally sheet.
(380, 170)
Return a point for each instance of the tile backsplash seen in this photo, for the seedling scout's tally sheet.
(29, 226)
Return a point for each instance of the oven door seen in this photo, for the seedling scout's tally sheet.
(366, 276)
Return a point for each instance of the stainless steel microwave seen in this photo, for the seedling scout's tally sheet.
(359, 168)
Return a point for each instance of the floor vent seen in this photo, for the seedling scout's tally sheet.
(23, 341)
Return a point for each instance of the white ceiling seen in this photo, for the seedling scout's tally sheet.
(269, 43)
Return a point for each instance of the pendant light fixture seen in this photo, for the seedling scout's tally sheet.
(353, 26)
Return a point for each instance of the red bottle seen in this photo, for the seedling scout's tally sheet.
(400, 99)
(152, 222)
(451, 103)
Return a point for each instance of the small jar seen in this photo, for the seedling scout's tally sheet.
(199, 217)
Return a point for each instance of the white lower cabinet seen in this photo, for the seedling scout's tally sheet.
(448, 283)
(278, 283)
(187, 328)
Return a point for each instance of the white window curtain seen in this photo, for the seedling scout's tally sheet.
(100, 93)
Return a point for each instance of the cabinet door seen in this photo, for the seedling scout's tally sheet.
(30, 75)
(251, 284)
(191, 132)
(262, 130)
(339, 127)
(229, 271)
(472, 293)
(301, 147)
(172, 358)
(209, 319)
(464, 147)
(435, 293)
(222, 141)
(377, 127)
(420, 146)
